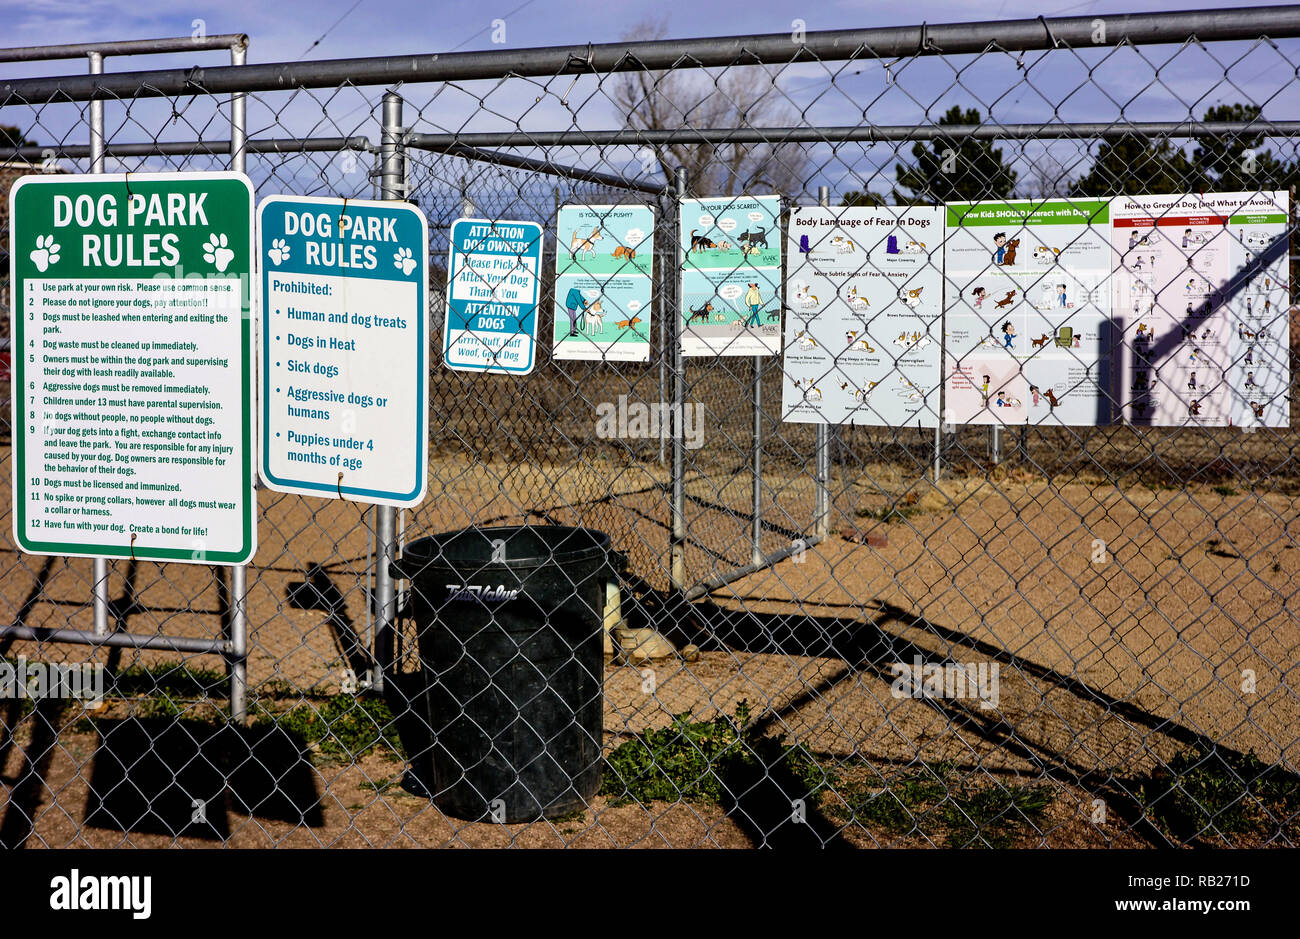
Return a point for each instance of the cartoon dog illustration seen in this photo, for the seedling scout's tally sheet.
(1006, 300)
(810, 391)
(913, 393)
(1009, 258)
(700, 243)
(855, 299)
(1044, 253)
(753, 239)
(844, 245)
(803, 294)
(861, 395)
(1040, 341)
(627, 254)
(806, 342)
(910, 296)
(914, 247)
(584, 246)
(595, 317)
(701, 313)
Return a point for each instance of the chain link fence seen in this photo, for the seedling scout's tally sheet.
(1107, 611)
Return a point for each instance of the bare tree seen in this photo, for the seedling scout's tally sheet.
(741, 97)
(1046, 177)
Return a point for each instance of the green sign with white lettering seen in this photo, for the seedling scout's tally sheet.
(132, 366)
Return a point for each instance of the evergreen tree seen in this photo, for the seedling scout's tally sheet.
(955, 170)
(1131, 165)
(865, 198)
(1239, 162)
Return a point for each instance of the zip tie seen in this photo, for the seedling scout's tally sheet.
(581, 63)
(134, 535)
(1056, 43)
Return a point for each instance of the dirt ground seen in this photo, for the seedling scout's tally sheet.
(1128, 625)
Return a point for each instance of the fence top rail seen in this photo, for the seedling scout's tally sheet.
(80, 50)
(856, 132)
(1211, 25)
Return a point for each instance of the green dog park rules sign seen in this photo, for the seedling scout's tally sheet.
(132, 384)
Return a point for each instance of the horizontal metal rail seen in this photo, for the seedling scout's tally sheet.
(88, 637)
(79, 50)
(471, 145)
(540, 166)
(865, 133)
(190, 148)
(1214, 25)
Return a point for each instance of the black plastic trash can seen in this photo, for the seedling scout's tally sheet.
(509, 621)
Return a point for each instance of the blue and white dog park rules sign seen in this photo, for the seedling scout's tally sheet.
(492, 296)
(344, 335)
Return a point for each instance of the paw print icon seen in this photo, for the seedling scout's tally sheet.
(404, 261)
(46, 253)
(279, 252)
(216, 251)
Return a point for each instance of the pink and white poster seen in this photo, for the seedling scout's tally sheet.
(1201, 301)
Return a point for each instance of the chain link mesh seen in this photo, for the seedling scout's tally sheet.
(1146, 689)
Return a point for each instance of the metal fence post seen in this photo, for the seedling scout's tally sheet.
(238, 657)
(661, 282)
(822, 451)
(756, 468)
(678, 536)
(392, 186)
(99, 589)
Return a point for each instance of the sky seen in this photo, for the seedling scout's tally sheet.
(285, 30)
(1157, 83)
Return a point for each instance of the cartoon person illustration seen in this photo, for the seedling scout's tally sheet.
(984, 389)
(1191, 382)
(999, 242)
(755, 301)
(1250, 355)
(1194, 408)
(1033, 390)
(1001, 402)
(979, 293)
(1133, 240)
(1008, 336)
(1060, 295)
(1187, 236)
(574, 303)
(1250, 380)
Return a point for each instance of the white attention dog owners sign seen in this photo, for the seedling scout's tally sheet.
(132, 366)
